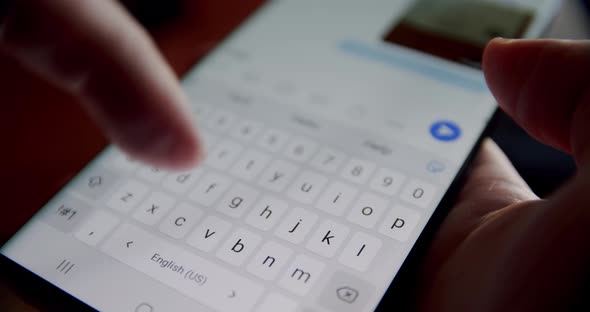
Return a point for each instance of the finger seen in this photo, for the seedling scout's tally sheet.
(544, 86)
(492, 184)
(95, 51)
(549, 248)
(492, 180)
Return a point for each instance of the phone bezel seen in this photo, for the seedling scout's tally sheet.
(400, 294)
(36, 291)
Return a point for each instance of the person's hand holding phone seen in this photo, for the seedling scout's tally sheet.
(95, 51)
(502, 248)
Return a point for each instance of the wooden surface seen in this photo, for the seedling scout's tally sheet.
(46, 137)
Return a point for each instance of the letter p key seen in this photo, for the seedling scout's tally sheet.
(400, 223)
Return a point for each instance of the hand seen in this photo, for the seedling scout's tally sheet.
(501, 248)
(98, 53)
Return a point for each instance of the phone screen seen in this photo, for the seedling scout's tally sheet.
(333, 131)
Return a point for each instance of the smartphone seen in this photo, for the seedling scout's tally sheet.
(337, 133)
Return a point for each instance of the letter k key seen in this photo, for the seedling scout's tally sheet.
(327, 237)
(152, 210)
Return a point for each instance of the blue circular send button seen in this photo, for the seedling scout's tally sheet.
(445, 130)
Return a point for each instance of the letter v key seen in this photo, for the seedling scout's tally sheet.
(207, 235)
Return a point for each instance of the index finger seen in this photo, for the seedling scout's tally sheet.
(97, 52)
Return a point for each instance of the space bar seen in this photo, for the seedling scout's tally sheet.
(193, 276)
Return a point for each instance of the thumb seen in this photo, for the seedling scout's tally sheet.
(545, 86)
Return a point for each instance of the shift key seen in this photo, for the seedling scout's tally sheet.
(195, 277)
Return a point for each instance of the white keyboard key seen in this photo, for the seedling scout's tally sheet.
(238, 247)
(278, 175)
(275, 302)
(307, 187)
(400, 223)
(181, 220)
(179, 183)
(237, 200)
(418, 193)
(122, 162)
(269, 260)
(204, 281)
(301, 275)
(387, 181)
(209, 233)
(296, 225)
(245, 130)
(367, 210)
(300, 149)
(94, 183)
(126, 197)
(337, 198)
(223, 155)
(151, 174)
(250, 165)
(358, 171)
(151, 210)
(328, 160)
(273, 140)
(360, 251)
(94, 229)
(208, 139)
(266, 213)
(221, 120)
(201, 111)
(65, 212)
(210, 188)
(327, 238)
